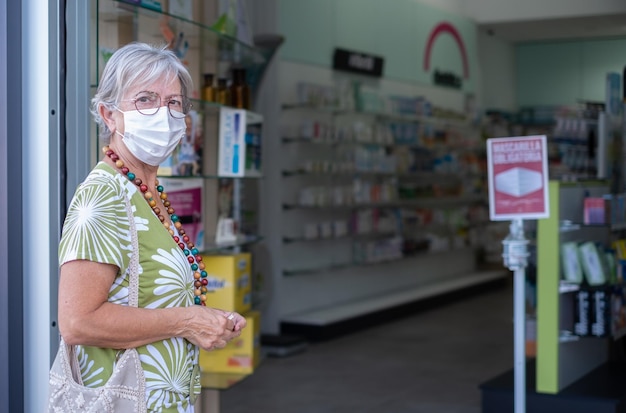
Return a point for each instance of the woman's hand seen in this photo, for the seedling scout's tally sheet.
(211, 328)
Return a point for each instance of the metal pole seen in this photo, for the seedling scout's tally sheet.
(515, 254)
(519, 340)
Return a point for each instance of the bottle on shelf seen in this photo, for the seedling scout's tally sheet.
(222, 93)
(239, 89)
(208, 91)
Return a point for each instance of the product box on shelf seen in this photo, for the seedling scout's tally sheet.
(253, 150)
(601, 312)
(241, 355)
(616, 209)
(186, 196)
(595, 211)
(582, 309)
(186, 160)
(231, 149)
(229, 281)
(152, 4)
(618, 311)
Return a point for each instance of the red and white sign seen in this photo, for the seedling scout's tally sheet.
(518, 178)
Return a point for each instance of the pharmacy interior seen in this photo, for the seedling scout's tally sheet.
(334, 168)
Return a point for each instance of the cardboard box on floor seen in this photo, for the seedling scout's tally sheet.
(241, 355)
(229, 286)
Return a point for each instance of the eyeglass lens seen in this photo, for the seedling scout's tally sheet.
(148, 103)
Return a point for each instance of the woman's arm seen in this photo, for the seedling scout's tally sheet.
(87, 318)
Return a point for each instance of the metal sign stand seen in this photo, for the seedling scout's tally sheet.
(515, 255)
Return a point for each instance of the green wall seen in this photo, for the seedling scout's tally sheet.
(560, 73)
(396, 30)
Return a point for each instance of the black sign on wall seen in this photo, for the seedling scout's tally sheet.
(357, 62)
(447, 79)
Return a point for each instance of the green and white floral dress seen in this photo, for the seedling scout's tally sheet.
(97, 229)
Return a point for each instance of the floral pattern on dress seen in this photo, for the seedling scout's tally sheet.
(96, 228)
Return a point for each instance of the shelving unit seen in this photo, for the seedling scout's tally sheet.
(571, 372)
(424, 209)
(560, 363)
(203, 50)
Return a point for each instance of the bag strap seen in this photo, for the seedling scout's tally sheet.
(133, 266)
(69, 357)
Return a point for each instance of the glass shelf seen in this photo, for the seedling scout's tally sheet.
(420, 146)
(316, 141)
(196, 34)
(420, 174)
(422, 202)
(436, 121)
(252, 118)
(353, 237)
(242, 241)
(248, 175)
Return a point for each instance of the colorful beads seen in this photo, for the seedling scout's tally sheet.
(192, 253)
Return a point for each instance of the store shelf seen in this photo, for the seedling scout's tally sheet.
(422, 202)
(248, 175)
(415, 175)
(423, 146)
(568, 287)
(332, 142)
(569, 226)
(353, 237)
(618, 226)
(568, 337)
(435, 121)
(242, 240)
(342, 312)
(252, 118)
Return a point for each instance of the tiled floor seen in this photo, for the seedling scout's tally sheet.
(429, 362)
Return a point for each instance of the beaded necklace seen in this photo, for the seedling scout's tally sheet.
(191, 252)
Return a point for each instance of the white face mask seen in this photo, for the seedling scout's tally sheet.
(152, 138)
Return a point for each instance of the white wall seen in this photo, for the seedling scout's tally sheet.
(497, 73)
(495, 11)
(454, 6)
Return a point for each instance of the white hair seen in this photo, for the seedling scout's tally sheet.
(135, 64)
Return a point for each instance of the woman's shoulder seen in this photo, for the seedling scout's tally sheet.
(105, 179)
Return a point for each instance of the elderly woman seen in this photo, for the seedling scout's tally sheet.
(140, 106)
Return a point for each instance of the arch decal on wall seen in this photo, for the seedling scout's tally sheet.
(445, 27)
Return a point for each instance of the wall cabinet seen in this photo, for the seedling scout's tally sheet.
(208, 54)
(564, 352)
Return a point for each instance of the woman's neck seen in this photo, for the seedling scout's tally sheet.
(147, 173)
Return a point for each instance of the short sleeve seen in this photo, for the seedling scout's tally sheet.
(96, 226)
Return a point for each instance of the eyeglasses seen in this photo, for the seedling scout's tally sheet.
(149, 103)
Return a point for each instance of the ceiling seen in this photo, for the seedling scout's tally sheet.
(574, 28)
